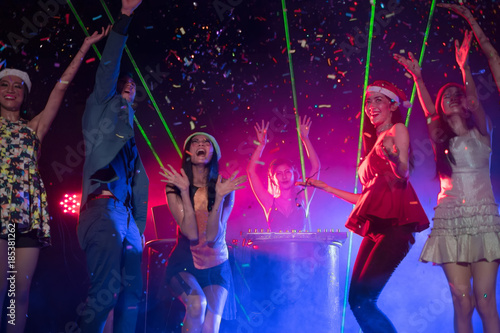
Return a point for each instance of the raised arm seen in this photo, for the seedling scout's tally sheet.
(41, 123)
(109, 66)
(260, 192)
(179, 202)
(344, 195)
(412, 66)
(473, 104)
(484, 42)
(304, 128)
(223, 205)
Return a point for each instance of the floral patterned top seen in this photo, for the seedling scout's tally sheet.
(23, 199)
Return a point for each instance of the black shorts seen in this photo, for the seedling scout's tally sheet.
(27, 239)
(219, 275)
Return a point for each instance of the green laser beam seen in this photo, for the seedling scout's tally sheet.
(360, 146)
(80, 22)
(144, 84)
(295, 103)
(421, 59)
(248, 287)
(148, 142)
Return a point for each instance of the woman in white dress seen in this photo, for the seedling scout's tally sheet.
(465, 238)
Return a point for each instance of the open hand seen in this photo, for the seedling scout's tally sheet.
(226, 186)
(95, 37)
(261, 132)
(312, 182)
(304, 126)
(462, 51)
(174, 178)
(128, 6)
(410, 64)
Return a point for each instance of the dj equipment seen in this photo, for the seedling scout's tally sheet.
(291, 281)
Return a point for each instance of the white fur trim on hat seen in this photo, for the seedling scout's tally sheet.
(385, 92)
(390, 94)
(20, 74)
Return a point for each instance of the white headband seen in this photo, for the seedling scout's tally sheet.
(389, 94)
(20, 74)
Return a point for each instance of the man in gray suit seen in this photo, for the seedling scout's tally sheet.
(115, 192)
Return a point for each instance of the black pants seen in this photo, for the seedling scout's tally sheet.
(379, 254)
(112, 243)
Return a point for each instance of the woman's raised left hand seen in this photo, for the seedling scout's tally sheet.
(226, 186)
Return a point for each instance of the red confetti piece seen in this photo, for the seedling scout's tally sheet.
(275, 150)
(67, 18)
(88, 61)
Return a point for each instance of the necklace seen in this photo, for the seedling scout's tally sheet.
(384, 128)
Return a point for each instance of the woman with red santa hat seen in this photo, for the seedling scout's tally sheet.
(387, 213)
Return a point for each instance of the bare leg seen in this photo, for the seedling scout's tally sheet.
(216, 299)
(459, 276)
(484, 278)
(26, 260)
(108, 328)
(195, 303)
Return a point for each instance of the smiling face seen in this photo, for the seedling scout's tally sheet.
(453, 101)
(11, 94)
(201, 150)
(129, 89)
(379, 108)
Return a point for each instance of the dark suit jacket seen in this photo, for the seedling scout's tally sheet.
(108, 125)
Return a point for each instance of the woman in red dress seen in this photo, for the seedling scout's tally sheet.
(387, 212)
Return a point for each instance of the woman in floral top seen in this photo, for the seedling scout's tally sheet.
(23, 203)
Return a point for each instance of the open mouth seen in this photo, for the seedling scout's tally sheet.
(201, 152)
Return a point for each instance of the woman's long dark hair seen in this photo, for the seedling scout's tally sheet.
(370, 133)
(213, 173)
(443, 154)
(25, 111)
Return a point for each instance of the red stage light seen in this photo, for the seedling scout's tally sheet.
(70, 203)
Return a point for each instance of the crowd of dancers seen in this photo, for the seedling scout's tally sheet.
(464, 241)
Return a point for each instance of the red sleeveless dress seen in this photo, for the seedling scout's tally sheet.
(386, 200)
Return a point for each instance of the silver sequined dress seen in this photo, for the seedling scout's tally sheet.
(466, 221)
